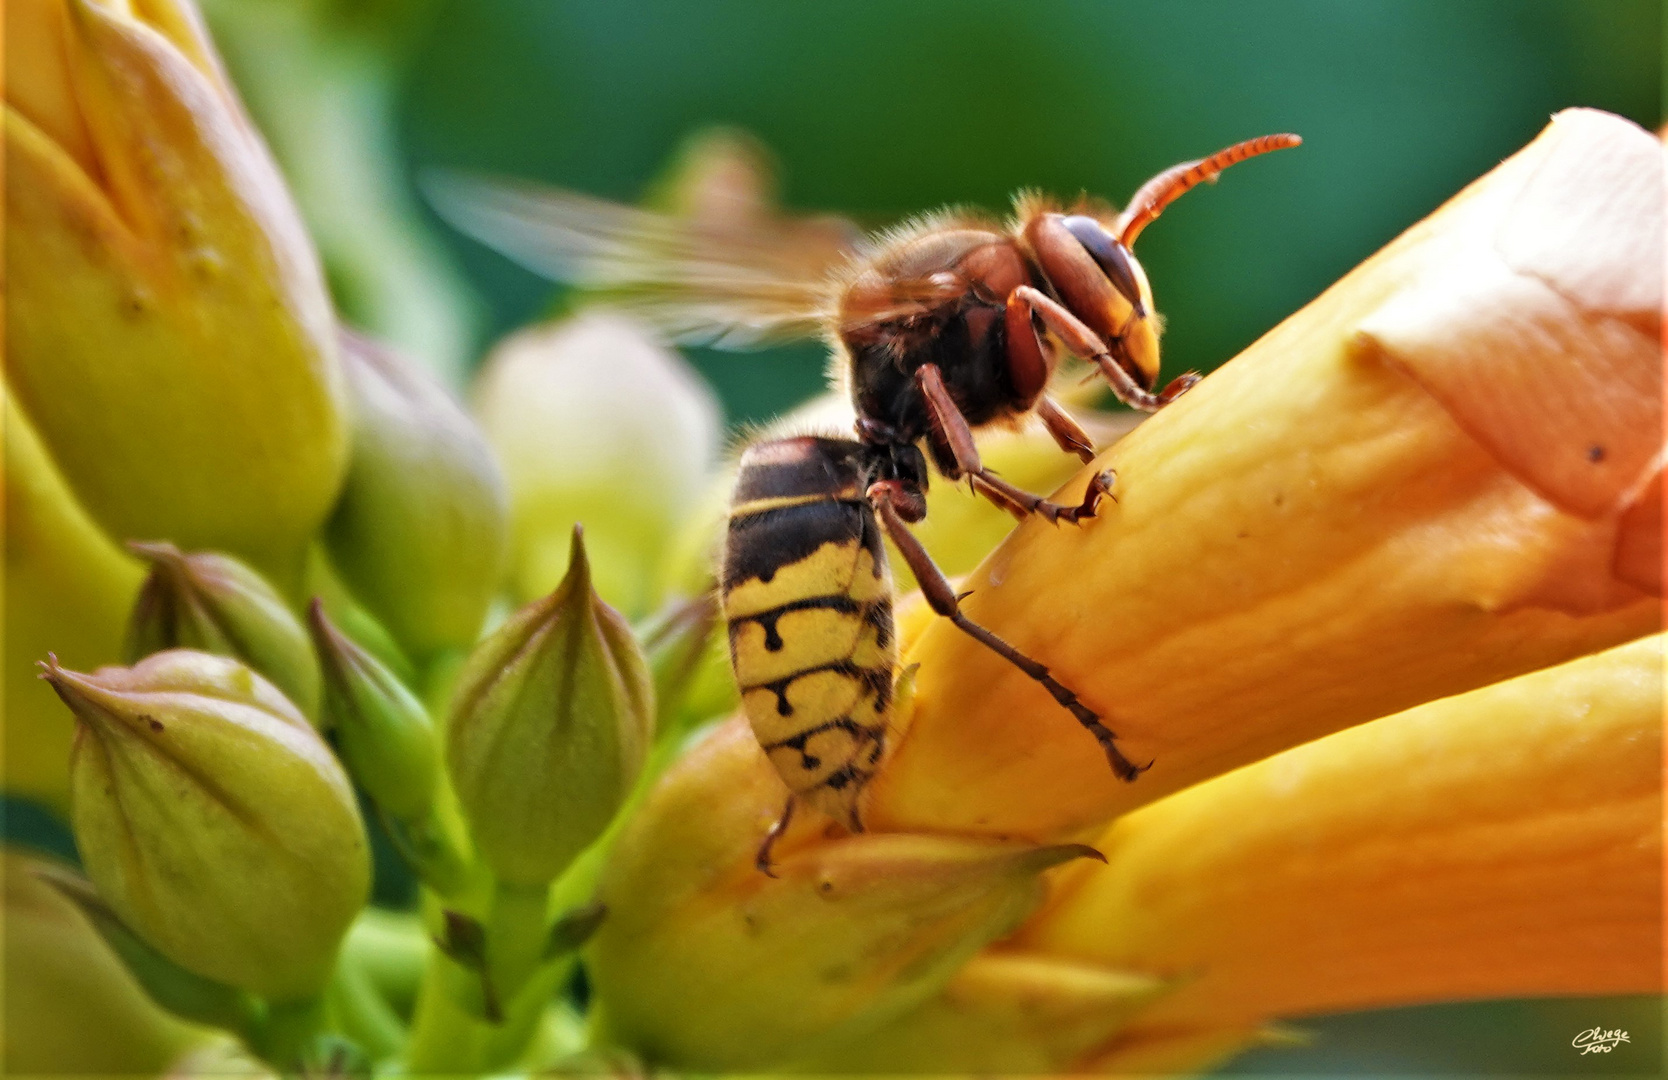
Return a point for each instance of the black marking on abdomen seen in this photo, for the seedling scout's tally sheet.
(879, 616)
(877, 680)
(762, 543)
(840, 778)
(810, 762)
(767, 619)
(843, 723)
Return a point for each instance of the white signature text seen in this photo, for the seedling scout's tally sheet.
(1598, 1040)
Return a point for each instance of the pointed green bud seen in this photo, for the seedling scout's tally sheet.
(550, 725)
(217, 604)
(421, 531)
(679, 643)
(214, 820)
(705, 960)
(383, 732)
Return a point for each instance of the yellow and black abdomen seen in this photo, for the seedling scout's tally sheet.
(808, 597)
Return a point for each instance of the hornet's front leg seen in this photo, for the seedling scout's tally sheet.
(1080, 339)
(951, 426)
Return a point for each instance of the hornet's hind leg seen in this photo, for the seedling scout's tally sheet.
(943, 600)
(762, 859)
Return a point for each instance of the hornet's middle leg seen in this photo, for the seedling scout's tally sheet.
(943, 601)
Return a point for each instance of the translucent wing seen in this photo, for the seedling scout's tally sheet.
(742, 279)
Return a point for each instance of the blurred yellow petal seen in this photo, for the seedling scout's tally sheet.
(1003, 1012)
(38, 80)
(68, 589)
(1342, 522)
(168, 330)
(70, 1006)
(1503, 843)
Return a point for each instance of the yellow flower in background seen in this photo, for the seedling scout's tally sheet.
(168, 332)
(595, 422)
(70, 1006)
(1443, 473)
(68, 589)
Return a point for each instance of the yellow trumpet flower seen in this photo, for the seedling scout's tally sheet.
(1439, 474)
(168, 333)
(1499, 844)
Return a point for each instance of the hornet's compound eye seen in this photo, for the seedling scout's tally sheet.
(1111, 256)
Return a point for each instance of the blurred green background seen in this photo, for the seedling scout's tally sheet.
(884, 109)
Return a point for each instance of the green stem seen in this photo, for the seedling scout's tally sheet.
(517, 929)
(357, 1011)
(507, 1043)
(444, 1037)
(284, 1035)
(390, 948)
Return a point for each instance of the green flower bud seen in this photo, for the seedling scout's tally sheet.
(681, 649)
(382, 730)
(214, 820)
(167, 325)
(595, 421)
(217, 604)
(70, 1006)
(550, 725)
(421, 531)
(704, 961)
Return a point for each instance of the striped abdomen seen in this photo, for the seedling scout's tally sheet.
(808, 598)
